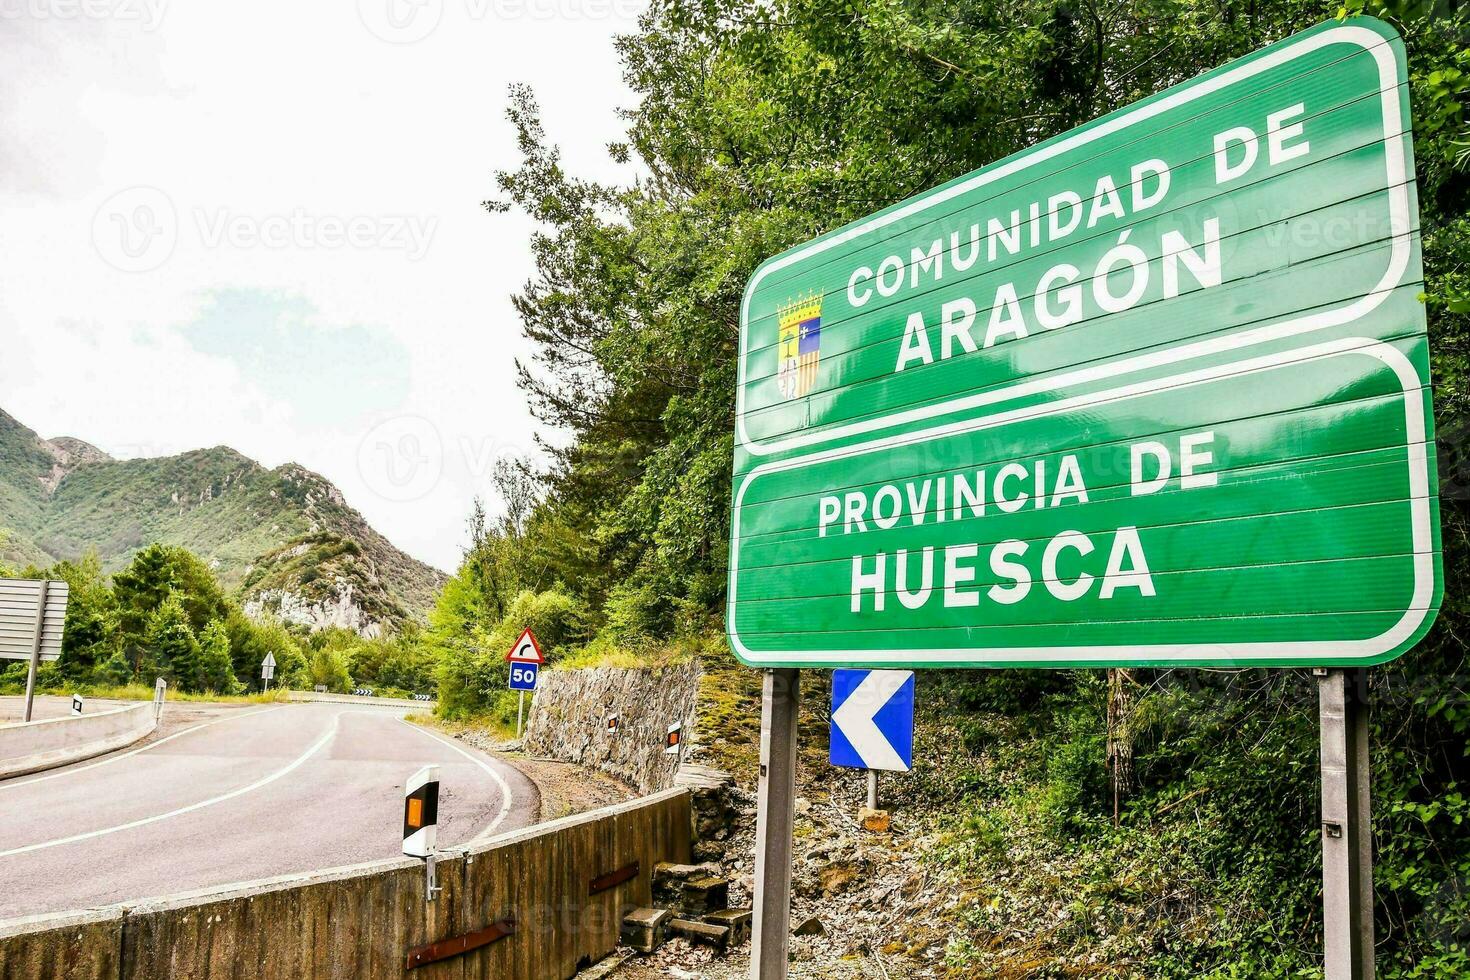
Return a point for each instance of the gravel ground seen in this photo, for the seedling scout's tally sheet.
(866, 895)
(565, 788)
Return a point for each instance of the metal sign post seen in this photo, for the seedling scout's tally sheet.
(267, 670)
(775, 814)
(1347, 829)
(36, 651)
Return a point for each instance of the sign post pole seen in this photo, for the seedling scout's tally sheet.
(520, 713)
(872, 789)
(1347, 832)
(36, 650)
(776, 812)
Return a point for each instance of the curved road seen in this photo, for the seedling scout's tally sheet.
(239, 793)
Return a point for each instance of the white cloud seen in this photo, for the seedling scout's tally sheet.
(285, 150)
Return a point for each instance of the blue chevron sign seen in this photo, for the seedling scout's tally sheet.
(873, 719)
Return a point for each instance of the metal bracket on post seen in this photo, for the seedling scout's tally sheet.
(776, 812)
(431, 887)
(1347, 829)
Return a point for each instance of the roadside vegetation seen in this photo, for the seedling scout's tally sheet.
(167, 615)
(1128, 823)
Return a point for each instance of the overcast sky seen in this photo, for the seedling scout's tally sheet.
(259, 225)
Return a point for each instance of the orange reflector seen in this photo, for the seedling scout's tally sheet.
(415, 812)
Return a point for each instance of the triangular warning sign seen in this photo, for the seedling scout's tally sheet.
(526, 650)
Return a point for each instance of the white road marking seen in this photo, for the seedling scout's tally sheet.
(8, 784)
(505, 795)
(315, 748)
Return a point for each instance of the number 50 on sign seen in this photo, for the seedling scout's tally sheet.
(523, 676)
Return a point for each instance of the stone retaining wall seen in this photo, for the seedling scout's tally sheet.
(570, 711)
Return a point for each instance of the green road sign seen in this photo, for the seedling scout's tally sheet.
(1152, 392)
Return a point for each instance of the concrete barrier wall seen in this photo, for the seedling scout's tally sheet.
(363, 922)
(36, 745)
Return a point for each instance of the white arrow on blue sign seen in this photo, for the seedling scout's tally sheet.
(873, 719)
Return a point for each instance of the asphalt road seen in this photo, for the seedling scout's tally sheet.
(235, 793)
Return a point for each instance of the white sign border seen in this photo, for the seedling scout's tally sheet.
(1133, 654)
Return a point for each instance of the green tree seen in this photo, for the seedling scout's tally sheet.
(472, 669)
(327, 667)
(157, 572)
(252, 639)
(90, 637)
(215, 671)
(170, 648)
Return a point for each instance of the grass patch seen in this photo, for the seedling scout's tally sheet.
(489, 724)
(601, 653)
(142, 692)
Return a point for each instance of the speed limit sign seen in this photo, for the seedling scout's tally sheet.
(523, 675)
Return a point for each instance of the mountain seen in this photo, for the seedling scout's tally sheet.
(284, 539)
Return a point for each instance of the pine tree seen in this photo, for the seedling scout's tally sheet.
(170, 648)
(215, 672)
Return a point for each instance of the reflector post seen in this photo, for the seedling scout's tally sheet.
(421, 812)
